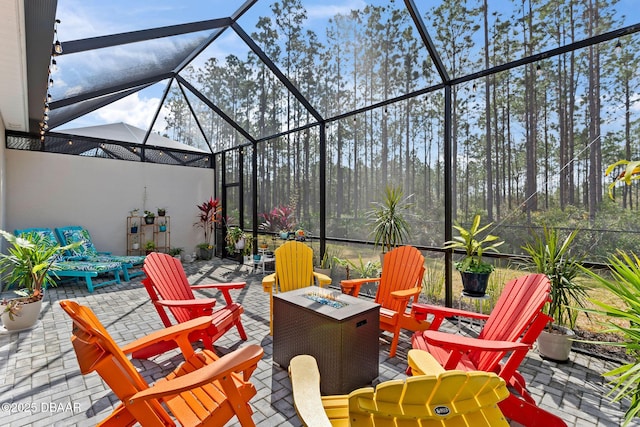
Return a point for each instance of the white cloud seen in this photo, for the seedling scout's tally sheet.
(132, 110)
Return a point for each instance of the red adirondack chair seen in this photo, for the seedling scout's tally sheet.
(401, 281)
(168, 287)
(509, 331)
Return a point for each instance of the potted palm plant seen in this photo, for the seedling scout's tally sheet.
(390, 228)
(551, 255)
(473, 270)
(30, 266)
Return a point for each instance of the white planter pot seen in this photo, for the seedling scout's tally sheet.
(555, 345)
(26, 317)
(135, 246)
(240, 244)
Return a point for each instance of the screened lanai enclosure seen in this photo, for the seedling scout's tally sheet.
(508, 108)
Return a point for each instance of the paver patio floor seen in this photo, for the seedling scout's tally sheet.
(41, 384)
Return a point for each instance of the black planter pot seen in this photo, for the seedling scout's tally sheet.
(474, 284)
(205, 253)
(149, 219)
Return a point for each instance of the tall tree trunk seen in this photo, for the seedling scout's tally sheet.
(487, 112)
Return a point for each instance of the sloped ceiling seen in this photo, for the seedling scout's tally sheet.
(26, 34)
(13, 63)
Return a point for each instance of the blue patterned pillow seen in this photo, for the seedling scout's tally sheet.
(74, 235)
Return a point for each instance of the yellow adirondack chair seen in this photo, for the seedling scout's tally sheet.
(440, 398)
(294, 270)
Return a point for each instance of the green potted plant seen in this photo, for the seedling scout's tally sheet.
(247, 251)
(162, 226)
(387, 218)
(208, 216)
(176, 252)
(30, 266)
(134, 227)
(149, 217)
(473, 270)
(162, 211)
(623, 281)
(235, 238)
(149, 247)
(551, 255)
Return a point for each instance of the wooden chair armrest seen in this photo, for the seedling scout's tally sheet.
(222, 287)
(437, 310)
(406, 293)
(178, 333)
(322, 279)
(199, 303)
(352, 286)
(268, 282)
(236, 361)
(423, 363)
(305, 383)
(462, 344)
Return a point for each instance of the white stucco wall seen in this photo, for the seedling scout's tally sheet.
(3, 144)
(54, 190)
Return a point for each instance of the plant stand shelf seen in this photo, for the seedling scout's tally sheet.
(148, 232)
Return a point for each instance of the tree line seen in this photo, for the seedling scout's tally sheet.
(528, 142)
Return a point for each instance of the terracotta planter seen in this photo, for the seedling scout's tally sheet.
(556, 344)
(24, 319)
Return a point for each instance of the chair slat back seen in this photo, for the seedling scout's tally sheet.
(403, 269)
(170, 281)
(96, 351)
(520, 303)
(448, 399)
(294, 266)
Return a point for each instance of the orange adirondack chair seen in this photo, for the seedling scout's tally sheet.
(401, 281)
(204, 390)
(294, 270)
(168, 287)
(510, 330)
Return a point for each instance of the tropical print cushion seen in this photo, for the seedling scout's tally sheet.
(72, 235)
(46, 234)
(99, 267)
(132, 259)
